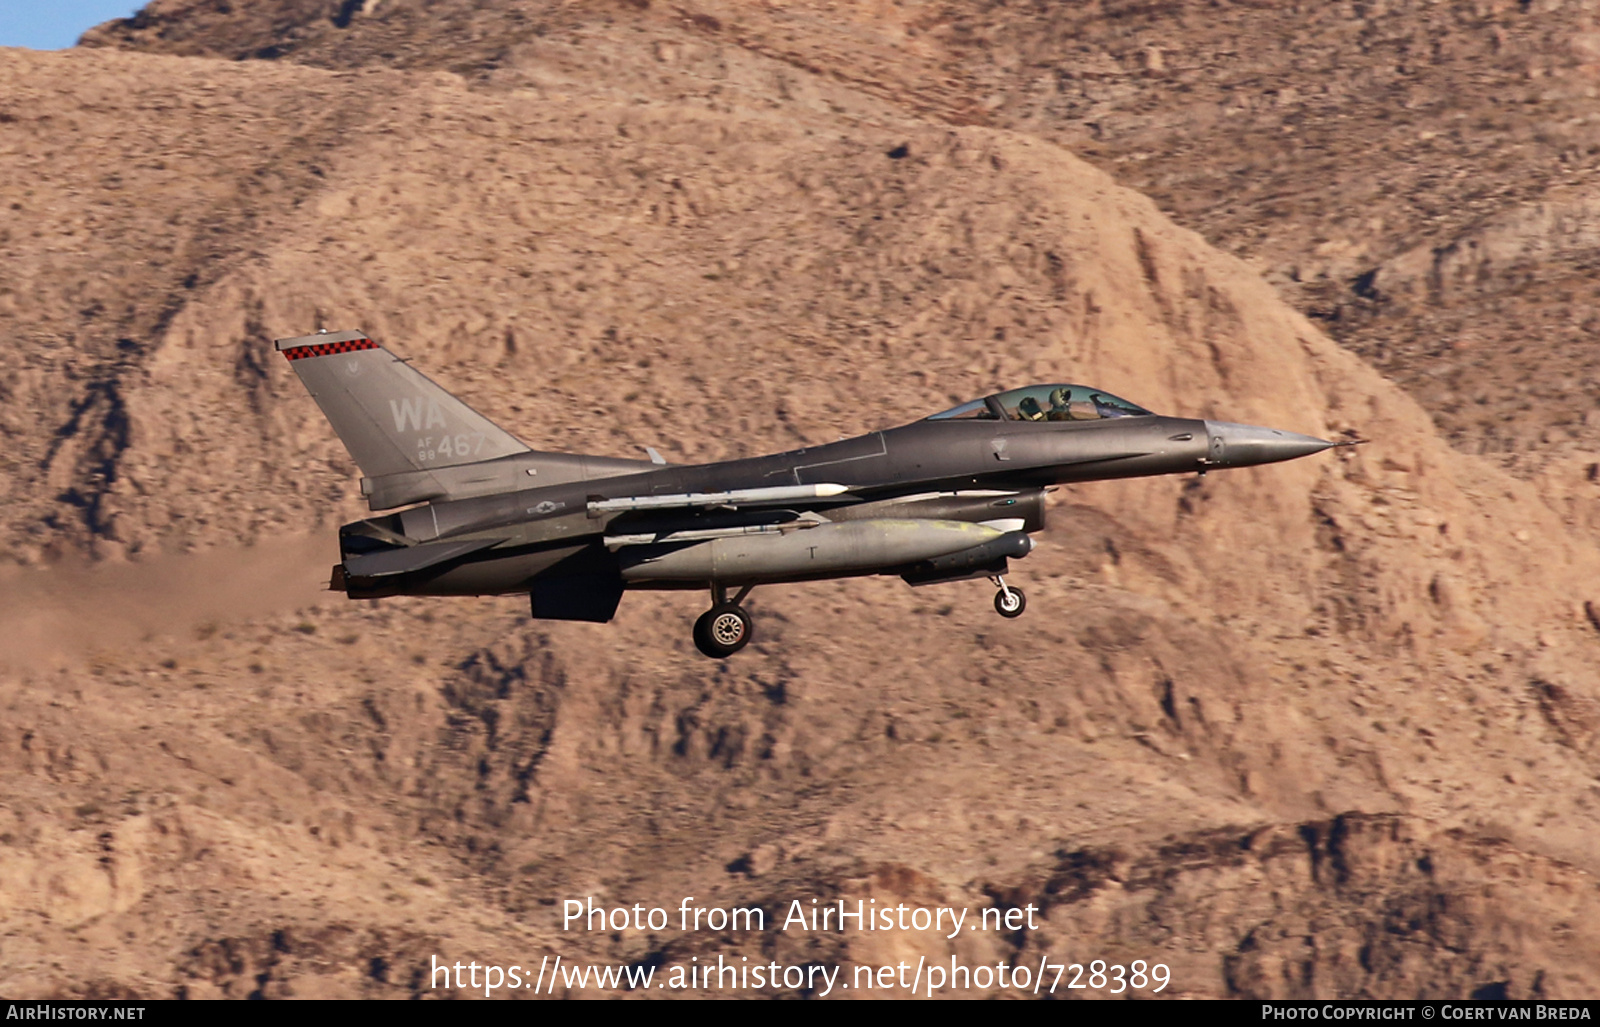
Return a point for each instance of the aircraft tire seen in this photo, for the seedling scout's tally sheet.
(722, 631)
(1015, 607)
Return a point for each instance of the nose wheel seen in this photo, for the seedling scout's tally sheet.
(725, 628)
(1010, 600)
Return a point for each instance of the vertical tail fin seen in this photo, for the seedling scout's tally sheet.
(391, 417)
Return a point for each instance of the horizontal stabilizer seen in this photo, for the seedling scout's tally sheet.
(413, 558)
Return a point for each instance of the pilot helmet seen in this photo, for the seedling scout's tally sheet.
(1059, 398)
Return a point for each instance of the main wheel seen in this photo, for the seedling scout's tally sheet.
(1010, 601)
(722, 631)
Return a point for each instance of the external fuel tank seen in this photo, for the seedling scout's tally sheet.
(800, 554)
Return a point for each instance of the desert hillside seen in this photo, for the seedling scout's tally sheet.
(1326, 728)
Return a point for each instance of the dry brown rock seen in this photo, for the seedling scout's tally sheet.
(1252, 716)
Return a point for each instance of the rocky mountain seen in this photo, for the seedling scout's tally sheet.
(1326, 728)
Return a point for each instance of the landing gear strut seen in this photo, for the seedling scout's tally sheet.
(1009, 601)
(725, 628)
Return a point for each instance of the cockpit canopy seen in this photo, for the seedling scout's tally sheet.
(1044, 403)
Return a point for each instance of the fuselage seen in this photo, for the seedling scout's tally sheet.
(548, 528)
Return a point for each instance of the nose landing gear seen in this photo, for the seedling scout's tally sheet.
(725, 628)
(1010, 600)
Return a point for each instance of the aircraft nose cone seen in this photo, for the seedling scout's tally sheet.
(1242, 445)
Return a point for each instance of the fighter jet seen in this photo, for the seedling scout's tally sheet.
(951, 497)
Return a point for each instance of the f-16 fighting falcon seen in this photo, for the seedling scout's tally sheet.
(950, 497)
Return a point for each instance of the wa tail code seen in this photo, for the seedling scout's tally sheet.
(417, 415)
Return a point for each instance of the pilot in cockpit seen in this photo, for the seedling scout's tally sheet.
(1029, 410)
(1059, 405)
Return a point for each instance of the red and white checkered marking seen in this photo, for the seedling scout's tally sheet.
(327, 349)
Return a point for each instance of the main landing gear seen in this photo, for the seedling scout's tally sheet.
(725, 628)
(1009, 601)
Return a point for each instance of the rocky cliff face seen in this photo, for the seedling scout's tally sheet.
(1325, 728)
(1319, 142)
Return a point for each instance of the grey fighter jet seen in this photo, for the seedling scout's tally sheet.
(947, 498)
